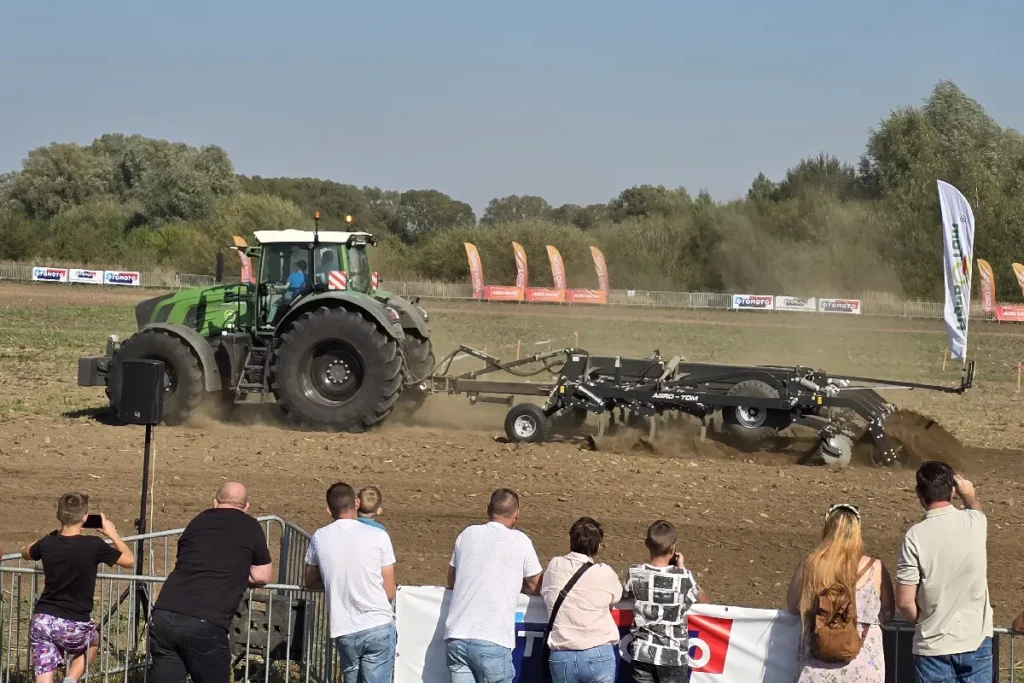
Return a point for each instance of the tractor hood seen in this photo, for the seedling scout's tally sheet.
(182, 307)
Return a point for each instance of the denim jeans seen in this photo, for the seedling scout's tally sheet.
(596, 665)
(478, 661)
(182, 645)
(968, 667)
(368, 656)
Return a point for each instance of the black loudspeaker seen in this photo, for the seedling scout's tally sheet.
(142, 392)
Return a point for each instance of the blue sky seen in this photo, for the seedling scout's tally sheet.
(572, 101)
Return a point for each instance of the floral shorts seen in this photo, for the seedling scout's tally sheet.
(52, 637)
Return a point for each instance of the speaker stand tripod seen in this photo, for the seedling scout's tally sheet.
(142, 590)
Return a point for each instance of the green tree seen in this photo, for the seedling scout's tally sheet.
(426, 211)
(18, 238)
(92, 233)
(515, 208)
(649, 200)
(60, 176)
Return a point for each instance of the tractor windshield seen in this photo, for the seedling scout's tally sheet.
(358, 268)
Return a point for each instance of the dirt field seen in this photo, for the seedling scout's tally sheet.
(744, 519)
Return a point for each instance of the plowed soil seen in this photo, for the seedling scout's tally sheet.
(745, 519)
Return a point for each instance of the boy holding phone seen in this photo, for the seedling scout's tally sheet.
(663, 591)
(61, 621)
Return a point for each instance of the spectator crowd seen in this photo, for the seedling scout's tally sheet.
(841, 593)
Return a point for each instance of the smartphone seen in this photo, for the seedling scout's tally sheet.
(93, 522)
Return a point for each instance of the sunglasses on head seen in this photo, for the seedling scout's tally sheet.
(842, 506)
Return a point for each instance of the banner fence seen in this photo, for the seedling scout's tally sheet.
(463, 291)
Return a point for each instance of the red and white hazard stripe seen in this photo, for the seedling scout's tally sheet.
(373, 280)
(337, 279)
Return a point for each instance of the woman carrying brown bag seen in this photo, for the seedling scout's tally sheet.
(842, 596)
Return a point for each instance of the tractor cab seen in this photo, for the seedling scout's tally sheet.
(293, 264)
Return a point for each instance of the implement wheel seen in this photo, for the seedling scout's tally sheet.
(753, 425)
(526, 423)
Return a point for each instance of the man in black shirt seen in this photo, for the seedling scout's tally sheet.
(62, 621)
(221, 552)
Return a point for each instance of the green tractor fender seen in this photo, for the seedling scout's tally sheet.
(410, 315)
(354, 301)
(199, 345)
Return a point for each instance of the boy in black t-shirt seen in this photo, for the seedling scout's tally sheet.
(61, 621)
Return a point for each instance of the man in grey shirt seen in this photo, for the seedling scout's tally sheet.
(942, 581)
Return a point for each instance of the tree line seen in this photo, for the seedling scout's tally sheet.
(827, 227)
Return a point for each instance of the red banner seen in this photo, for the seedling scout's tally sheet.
(501, 293)
(522, 270)
(1010, 313)
(476, 270)
(1018, 270)
(557, 267)
(988, 286)
(586, 296)
(535, 294)
(601, 267)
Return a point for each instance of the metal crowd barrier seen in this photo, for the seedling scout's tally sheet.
(280, 631)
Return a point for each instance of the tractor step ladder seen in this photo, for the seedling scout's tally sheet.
(252, 379)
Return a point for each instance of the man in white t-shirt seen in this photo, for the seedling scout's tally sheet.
(355, 564)
(491, 565)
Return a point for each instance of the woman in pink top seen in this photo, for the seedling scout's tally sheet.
(584, 635)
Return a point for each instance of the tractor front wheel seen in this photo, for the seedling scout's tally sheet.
(183, 388)
(336, 370)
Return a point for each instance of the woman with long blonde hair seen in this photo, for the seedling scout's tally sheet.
(839, 562)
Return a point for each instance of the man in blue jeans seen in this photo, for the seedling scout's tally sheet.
(491, 565)
(355, 564)
(942, 581)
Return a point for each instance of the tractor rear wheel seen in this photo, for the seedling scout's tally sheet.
(336, 370)
(183, 388)
(753, 425)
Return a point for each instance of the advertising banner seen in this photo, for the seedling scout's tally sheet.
(601, 267)
(958, 253)
(1010, 314)
(848, 306)
(476, 270)
(753, 302)
(47, 274)
(557, 267)
(1018, 270)
(85, 277)
(796, 303)
(988, 286)
(127, 278)
(586, 296)
(502, 293)
(522, 270)
(727, 644)
(545, 294)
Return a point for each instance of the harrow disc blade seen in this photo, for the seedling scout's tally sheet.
(837, 450)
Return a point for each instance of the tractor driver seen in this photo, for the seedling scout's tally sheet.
(296, 285)
(326, 266)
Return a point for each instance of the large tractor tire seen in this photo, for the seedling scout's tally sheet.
(184, 377)
(336, 370)
(751, 426)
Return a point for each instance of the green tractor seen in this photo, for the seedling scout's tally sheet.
(312, 329)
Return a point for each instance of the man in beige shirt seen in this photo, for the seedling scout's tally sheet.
(942, 581)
